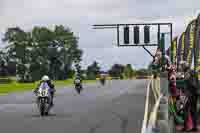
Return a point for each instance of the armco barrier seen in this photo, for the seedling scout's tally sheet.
(156, 106)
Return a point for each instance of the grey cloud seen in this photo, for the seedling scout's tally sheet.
(81, 14)
(108, 56)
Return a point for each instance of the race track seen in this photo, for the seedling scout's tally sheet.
(117, 107)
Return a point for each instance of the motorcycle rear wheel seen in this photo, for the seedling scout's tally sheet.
(46, 113)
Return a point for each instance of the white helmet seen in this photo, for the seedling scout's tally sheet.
(45, 78)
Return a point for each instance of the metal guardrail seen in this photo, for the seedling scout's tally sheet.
(156, 106)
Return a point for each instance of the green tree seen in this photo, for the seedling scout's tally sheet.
(143, 72)
(3, 69)
(8, 67)
(117, 70)
(43, 51)
(128, 71)
(93, 70)
(18, 40)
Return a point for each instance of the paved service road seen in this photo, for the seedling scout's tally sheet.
(117, 107)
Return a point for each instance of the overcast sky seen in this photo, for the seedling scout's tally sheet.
(80, 15)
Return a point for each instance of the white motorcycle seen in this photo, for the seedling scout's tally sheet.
(78, 85)
(44, 100)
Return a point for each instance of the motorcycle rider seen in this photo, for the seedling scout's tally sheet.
(78, 83)
(102, 79)
(46, 79)
(77, 78)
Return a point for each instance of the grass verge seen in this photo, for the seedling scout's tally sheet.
(15, 86)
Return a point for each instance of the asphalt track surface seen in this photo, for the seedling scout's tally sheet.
(117, 107)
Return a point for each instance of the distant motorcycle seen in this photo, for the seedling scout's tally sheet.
(78, 85)
(44, 100)
(102, 81)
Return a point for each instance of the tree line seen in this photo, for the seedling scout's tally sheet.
(38, 52)
(43, 51)
(116, 71)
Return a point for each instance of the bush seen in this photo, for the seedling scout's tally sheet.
(115, 77)
(91, 76)
(26, 81)
(5, 80)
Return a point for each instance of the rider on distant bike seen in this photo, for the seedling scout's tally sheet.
(46, 79)
(78, 83)
(102, 79)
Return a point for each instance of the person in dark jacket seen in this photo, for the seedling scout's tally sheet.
(191, 88)
(46, 79)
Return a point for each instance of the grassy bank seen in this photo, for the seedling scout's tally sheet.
(15, 86)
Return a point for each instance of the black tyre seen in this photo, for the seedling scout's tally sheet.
(42, 112)
(42, 107)
(46, 113)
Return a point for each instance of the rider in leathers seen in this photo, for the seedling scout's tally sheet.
(46, 79)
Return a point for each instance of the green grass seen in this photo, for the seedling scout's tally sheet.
(14, 86)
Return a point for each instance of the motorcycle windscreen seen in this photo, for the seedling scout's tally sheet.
(44, 85)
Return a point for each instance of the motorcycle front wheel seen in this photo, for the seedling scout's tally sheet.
(42, 107)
